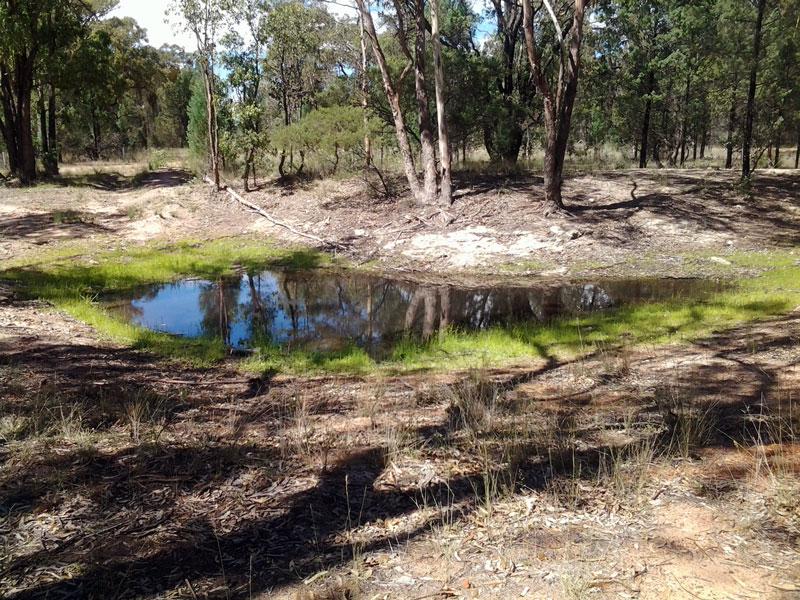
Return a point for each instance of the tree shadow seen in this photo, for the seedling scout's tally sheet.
(117, 182)
(241, 517)
(54, 224)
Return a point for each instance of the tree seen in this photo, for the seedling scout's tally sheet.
(747, 138)
(558, 95)
(243, 60)
(390, 87)
(204, 18)
(502, 130)
(298, 62)
(29, 31)
(445, 174)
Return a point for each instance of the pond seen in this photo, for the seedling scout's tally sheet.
(328, 311)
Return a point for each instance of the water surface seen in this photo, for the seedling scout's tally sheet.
(326, 311)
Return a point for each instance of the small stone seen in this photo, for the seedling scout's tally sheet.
(720, 261)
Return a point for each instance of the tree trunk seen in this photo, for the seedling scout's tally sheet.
(427, 149)
(557, 106)
(393, 99)
(751, 92)
(778, 152)
(685, 123)
(648, 107)
(43, 127)
(365, 96)
(213, 132)
(27, 155)
(502, 130)
(729, 139)
(51, 160)
(797, 153)
(445, 157)
(703, 140)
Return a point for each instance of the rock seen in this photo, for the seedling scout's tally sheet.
(720, 261)
(360, 232)
(556, 230)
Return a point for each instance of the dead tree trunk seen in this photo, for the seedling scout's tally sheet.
(751, 92)
(558, 100)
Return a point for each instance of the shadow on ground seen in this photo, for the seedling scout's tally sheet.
(211, 505)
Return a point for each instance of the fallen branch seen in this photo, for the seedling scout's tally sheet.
(274, 221)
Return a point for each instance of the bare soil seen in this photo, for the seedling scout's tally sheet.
(124, 476)
(667, 222)
(156, 481)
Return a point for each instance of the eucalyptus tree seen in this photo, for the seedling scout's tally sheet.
(205, 20)
(747, 136)
(510, 96)
(243, 59)
(32, 33)
(299, 62)
(558, 91)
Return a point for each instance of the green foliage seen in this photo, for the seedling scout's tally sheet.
(329, 133)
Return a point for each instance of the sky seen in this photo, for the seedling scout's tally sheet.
(150, 15)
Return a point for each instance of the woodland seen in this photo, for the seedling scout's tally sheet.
(419, 299)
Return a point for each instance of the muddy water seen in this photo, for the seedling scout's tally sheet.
(328, 311)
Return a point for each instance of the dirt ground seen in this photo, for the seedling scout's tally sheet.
(667, 472)
(667, 222)
(159, 482)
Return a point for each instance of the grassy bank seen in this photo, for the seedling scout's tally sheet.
(72, 281)
(74, 285)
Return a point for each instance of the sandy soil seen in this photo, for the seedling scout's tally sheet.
(673, 222)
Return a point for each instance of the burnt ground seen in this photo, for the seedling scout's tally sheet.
(646, 473)
(665, 222)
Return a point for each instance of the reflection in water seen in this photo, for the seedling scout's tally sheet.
(325, 311)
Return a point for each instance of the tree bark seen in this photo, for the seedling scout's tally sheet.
(393, 99)
(797, 153)
(445, 156)
(427, 149)
(502, 130)
(751, 92)
(648, 107)
(51, 160)
(731, 128)
(365, 95)
(777, 152)
(558, 105)
(685, 123)
(211, 111)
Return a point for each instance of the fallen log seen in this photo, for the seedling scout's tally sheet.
(274, 221)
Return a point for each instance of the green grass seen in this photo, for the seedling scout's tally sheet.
(72, 280)
(774, 293)
(72, 285)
